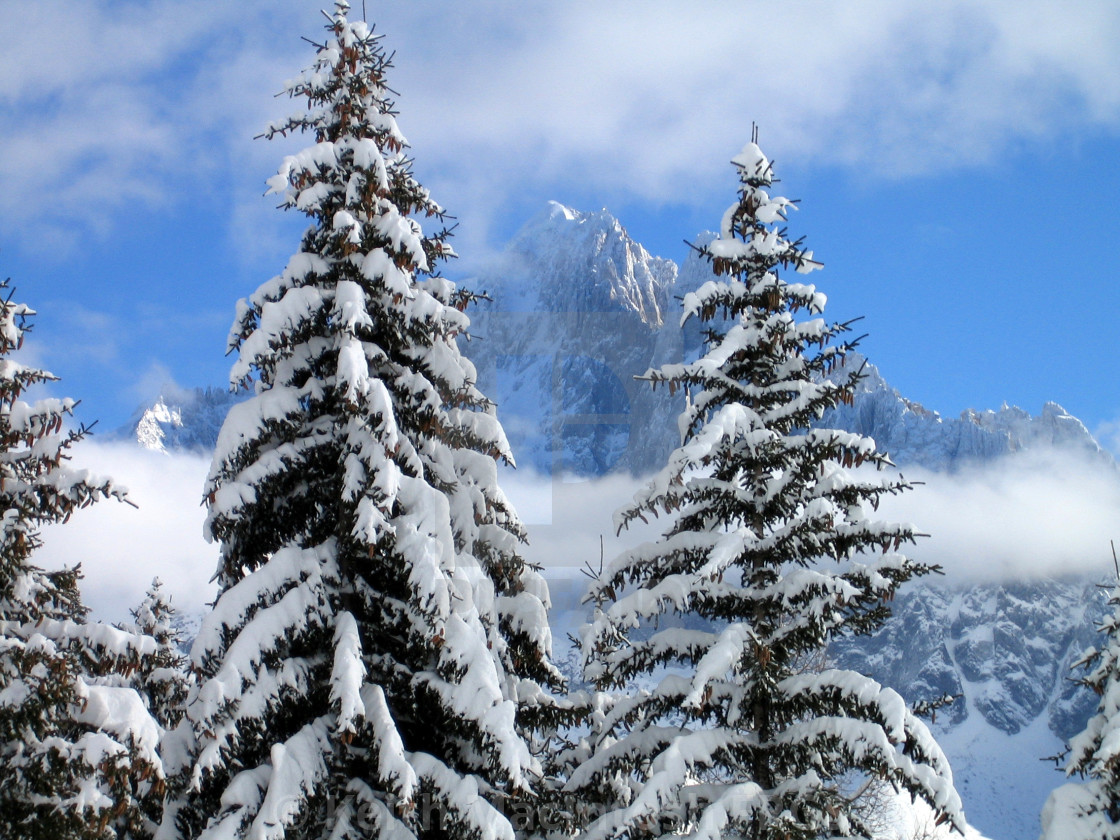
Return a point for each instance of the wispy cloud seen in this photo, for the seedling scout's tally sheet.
(157, 379)
(109, 108)
(92, 334)
(1108, 435)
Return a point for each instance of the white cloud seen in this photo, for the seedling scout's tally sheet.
(570, 522)
(1033, 514)
(141, 104)
(122, 548)
(90, 334)
(1036, 513)
(108, 109)
(649, 102)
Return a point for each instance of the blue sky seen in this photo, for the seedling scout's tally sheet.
(958, 166)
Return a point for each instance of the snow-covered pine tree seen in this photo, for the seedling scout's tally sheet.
(377, 656)
(1090, 810)
(77, 750)
(161, 678)
(770, 553)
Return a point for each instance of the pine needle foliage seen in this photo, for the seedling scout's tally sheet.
(1090, 810)
(161, 679)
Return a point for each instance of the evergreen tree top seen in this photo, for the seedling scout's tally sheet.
(37, 486)
(351, 115)
(78, 750)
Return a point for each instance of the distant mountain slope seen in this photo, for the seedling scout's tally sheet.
(1005, 648)
(913, 434)
(578, 308)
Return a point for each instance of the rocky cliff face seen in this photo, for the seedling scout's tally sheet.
(578, 310)
(1004, 650)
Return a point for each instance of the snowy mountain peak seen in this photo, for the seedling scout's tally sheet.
(914, 434)
(179, 419)
(150, 428)
(556, 216)
(579, 309)
(555, 208)
(559, 244)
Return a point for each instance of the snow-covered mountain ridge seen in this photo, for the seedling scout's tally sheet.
(579, 309)
(1004, 649)
(179, 420)
(913, 434)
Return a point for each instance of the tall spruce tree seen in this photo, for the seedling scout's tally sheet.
(77, 749)
(1090, 810)
(377, 658)
(770, 554)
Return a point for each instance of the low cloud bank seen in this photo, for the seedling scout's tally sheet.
(1031, 514)
(1036, 513)
(571, 522)
(122, 548)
